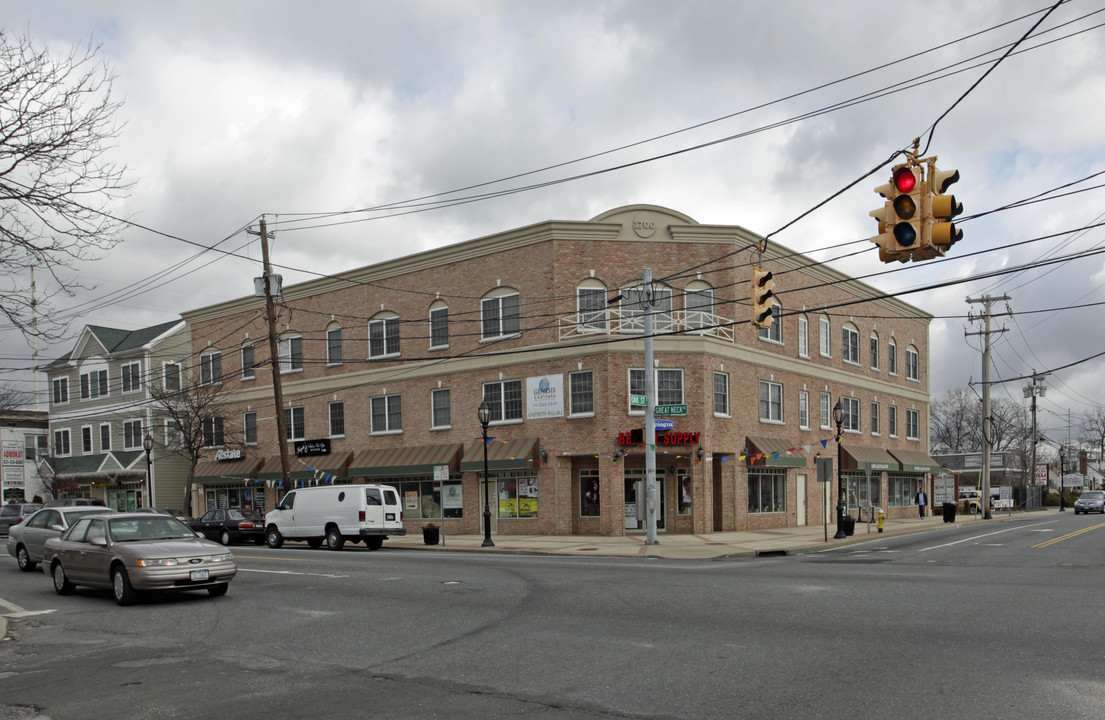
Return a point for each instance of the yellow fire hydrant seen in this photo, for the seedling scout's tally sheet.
(882, 519)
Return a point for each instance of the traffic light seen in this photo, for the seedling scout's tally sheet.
(900, 218)
(762, 284)
(941, 209)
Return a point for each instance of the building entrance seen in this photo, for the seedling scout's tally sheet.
(636, 500)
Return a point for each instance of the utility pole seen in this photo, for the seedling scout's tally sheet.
(1037, 388)
(277, 389)
(647, 304)
(987, 438)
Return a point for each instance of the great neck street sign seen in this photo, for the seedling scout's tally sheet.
(671, 410)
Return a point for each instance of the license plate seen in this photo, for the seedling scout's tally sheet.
(199, 575)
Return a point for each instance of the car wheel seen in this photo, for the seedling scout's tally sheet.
(334, 539)
(24, 560)
(120, 586)
(62, 586)
(273, 538)
(374, 543)
(314, 543)
(224, 537)
(218, 590)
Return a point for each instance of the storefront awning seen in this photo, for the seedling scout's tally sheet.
(915, 461)
(865, 458)
(773, 453)
(416, 460)
(502, 454)
(216, 471)
(308, 468)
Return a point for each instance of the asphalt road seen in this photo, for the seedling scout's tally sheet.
(987, 620)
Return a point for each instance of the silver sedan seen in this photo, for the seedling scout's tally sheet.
(27, 540)
(132, 552)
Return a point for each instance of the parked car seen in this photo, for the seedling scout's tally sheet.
(15, 513)
(230, 526)
(71, 502)
(133, 552)
(27, 540)
(1090, 501)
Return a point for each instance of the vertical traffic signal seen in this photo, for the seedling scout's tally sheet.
(942, 208)
(900, 218)
(762, 297)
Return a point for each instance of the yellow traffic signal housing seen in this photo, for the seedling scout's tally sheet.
(942, 233)
(763, 282)
(900, 219)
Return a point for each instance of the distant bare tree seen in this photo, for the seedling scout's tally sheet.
(955, 422)
(12, 398)
(57, 185)
(1092, 424)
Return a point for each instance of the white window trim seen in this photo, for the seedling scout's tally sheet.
(330, 418)
(256, 440)
(140, 436)
(636, 410)
(123, 376)
(877, 409)
(892, 366)
(875, 361)
(825, 337)
(286, 342)
(728, 396)
(431, 323)
(804, 337)
(69, 442)
(804, 400)
(859, 421)
(844, 347)
(99, 439)
(383, 322)
(889, 409)
(432, 420)
(917, 437)
(253, 367)
(782, 403)
(372, 430)
(826, 410)
(572, 415)
(165, 375)
(341, 344)
(209, 356)
(917, 354)
(65, 381)
(91, 440)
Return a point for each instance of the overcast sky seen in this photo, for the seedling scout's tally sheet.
(233, 109)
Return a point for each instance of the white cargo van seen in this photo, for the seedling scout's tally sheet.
(334, 514)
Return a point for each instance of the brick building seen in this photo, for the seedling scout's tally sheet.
(383, 369)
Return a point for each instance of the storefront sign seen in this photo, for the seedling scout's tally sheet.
(636, 437)
(229, 454)
(13, 465)
(1041, 474)
(544, 397)
(308, 448)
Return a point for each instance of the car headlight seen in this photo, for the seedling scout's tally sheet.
(224, 557)
(157, 562)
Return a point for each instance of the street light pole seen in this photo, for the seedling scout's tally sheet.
(484, 415)
(1062, 470)
(838, 418)
(147, 445)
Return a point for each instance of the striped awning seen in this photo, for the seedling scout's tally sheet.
(866, 458)
(502, 454)
(308, 468)
(769, 452)
(414, 460)
(916, 461)
(213, 471)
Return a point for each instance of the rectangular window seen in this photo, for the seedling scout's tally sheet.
(684, 499)
(248, 363)
(174, 438)
(902, 490)
(93, 384)
(517, 494)
(441, 408)
(774, 333)
(61, 443)
(669, 386)
(132, 434)
(803, 337)
(721, 394)
(826, 411)
(913, 424)
(387, 414)
(249, 428)
(61, 391)
(170, 377)
(34, 447)
(439, 328)
(851, 413)
(86, 439)
(700, 310)
(589, 496)
(591, 303)
(132, 377)
(824, 337)
(850, 345)
(290, 351)
(105, 437)
(804, 409)
(211, 368)
(505, 399)
(337, 419)
(876, 428)
(767, 490)
(383, 337)
(581, 393)
(633, 310)
(771, 402)
(892, 420)
(294, 426)
(333, 346)
(892, 357)
(911, 368)
(874, 352)
(423, 499)
(500, 316)
(212, 431)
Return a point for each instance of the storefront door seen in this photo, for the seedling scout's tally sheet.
(636, 500)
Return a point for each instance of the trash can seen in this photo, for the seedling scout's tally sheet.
(849, 524)
(430, 534)
(949, 512)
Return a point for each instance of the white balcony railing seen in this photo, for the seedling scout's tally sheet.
(614, 321)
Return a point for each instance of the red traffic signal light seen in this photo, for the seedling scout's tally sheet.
(905, 181)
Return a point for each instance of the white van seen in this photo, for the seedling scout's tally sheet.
(334, 514)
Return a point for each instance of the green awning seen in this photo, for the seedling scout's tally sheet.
(215, 471)
(413, 460)
(502, 454)
(773, 453)
(865, 458)
(915, 461)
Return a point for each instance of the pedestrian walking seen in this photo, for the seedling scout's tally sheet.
(922, 500)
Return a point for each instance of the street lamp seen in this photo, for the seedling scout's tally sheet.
(484, 415)
(147, 445)
(838, 418)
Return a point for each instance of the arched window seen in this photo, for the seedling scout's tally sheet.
(383, 335)
(333, 344)
(774, 333)
(849, 343)
(500, 314)
(439, 325)
(591, 306)
(632, 308)
(289, 348)
(699, 304)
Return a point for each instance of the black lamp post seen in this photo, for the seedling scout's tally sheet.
(484, 414)
(838, 418)
(147, 445)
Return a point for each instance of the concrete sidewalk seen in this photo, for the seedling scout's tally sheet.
(781, 541)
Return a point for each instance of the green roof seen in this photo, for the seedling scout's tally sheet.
(115, 340)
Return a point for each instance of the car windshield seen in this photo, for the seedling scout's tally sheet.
(150, 527)
(1092, 495)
